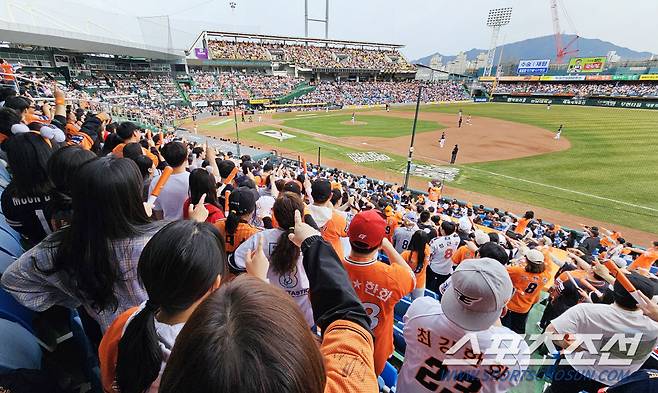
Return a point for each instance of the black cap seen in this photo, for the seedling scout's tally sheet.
(641, 283)
(242, 201)
(321, 190)
(268, 167)
(293, 186)
(225, 168)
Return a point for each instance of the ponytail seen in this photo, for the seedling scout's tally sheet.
(285, 254)
(417, 244)
(232, 222)
(140, 356)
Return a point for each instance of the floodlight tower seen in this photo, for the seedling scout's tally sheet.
(497, 18)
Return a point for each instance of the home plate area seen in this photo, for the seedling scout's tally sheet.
(446, 173)
(368, 156)
(280, 135)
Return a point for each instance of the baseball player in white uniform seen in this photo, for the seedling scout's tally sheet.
(442, 338)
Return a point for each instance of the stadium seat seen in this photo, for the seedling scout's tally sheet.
(388, 378)
(19, 348)
(401, 308)
(431, 294)
(398, 338)
(9, 244)
(13, 311)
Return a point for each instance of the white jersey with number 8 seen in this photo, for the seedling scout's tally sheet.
(428, 367)
(441, 252)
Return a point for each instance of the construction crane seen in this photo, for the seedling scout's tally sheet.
(561, 50)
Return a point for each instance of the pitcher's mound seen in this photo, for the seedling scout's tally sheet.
(356, 123)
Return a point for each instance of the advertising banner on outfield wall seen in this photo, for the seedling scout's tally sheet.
(605, 102)
(533, 67)
(581, 65)
(562, 78)
(649, 77)
(518, 78)
(629, 77)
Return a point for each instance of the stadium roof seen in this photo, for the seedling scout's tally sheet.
(81, 42)
(299, 39)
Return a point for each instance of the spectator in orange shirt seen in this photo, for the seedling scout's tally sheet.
(646, 259)
(332, 225)
(129, 133)
(417, 255)
(391, 222)
(378, 285)
(468, 250)
(528, 281)
(522, 223)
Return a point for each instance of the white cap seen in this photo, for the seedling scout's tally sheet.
(464, 224)
(478, 291)
(534, 256)
(481, 237)
(619, 261)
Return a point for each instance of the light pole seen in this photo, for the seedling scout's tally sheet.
(413, 137)
(497, 18)
(235, 118)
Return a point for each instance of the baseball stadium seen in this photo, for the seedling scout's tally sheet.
(214, 206)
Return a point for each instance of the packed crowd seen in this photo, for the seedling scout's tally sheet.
(312, 55)
(218, 86)
(198, 268)
(371, 93)
(624, 89)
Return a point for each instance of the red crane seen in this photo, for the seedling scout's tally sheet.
(561, 51)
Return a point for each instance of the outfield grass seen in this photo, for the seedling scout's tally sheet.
(614, 155)
(379, 126)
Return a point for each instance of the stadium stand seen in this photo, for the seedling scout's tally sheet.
(120, 263)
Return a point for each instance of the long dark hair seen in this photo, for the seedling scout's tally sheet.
(178, 266)
(417, 244)
(107, 206)
(62, 170)
(247, 337)
(27, 155)
(202, 182)
(285, 254)
(241, 202)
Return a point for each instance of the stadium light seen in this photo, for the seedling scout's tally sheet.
(413, 138)
(497, 18)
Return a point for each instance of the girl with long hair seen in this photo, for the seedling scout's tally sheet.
(286, 270)
(417, 256)
(273, 350)
(93, 262)
(202, 182)
(180, 266)
(25, 199)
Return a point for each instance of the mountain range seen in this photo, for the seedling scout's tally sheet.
(544, 48)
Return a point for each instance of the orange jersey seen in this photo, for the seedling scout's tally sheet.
(646, 260)
(461, 254)
(8, 70)
(391, 224)
(108, 350)
(232, 241)
(521, 225)
(380, 287)
(347, 350)
(527, 288)
(412, 259)
(118, 152)
(610, 240)
(333, 230)
(434, 194)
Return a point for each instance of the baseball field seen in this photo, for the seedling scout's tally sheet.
(603, 171)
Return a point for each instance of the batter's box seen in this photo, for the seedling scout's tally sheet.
(446, 173)
(280, 135)
(368, 156)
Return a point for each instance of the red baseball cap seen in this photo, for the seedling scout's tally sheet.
(367, 229)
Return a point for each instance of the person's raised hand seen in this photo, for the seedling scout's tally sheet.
(302, 230)
(198, 213)
(256, 262)
(648, 307)
(148, 209)
(210, 153)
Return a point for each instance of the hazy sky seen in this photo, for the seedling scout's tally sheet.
(424, 26)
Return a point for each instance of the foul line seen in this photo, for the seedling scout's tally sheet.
(563, 189)
(219, 123)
